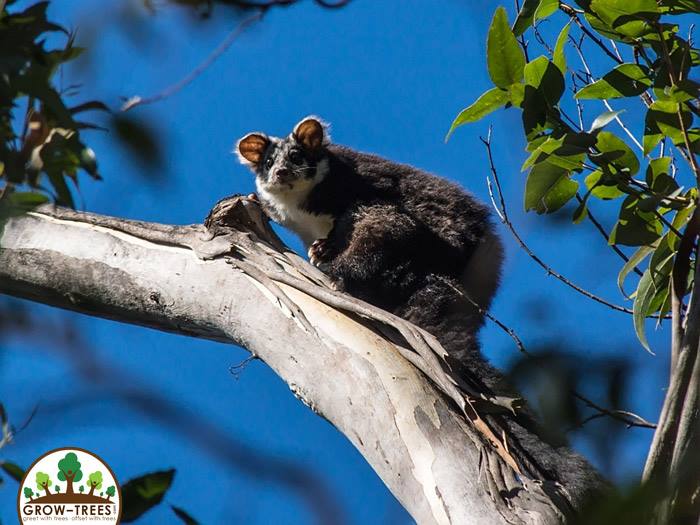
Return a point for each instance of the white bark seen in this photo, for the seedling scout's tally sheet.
(436, 461)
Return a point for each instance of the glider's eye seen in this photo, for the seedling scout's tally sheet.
(295, 156)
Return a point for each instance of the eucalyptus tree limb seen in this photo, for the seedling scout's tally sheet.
(437, 442)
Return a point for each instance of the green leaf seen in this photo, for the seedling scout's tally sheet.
(637, 257)
(536, 142)
(664, 184)
(567, 151)
(517, 94)
(626, 80)
(605, 189)
(679, 221)
(659, 264)
(548, 188)
(546, 78)
(648, 203)
(506, 61)
(635, 29)
(635, 227)
(546, 9)
(485, 104)
(684, 91)
(663, 119)
(35, 84)
(558, 57)
(660, 267)
(531, 11)
(604, 119)
(679, 7)
(535, 113)
(601, 27)
(525, 17)
(642, 301)
(657, 167)
(613, 151)
(13, 470)
(141, 494)
(547, 152)
(694, 136)
(581, 212)
(610, 11)
(13, 204)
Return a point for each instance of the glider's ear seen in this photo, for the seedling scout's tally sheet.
(312, 134)
(251, 148)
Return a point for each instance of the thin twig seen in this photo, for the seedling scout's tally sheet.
(579, 106)
(690, 157)
(579, 52)
(624, 127)
(645, 96)
(523, 42)
(333, 5)
(506, 221)
(220, 49)
(540, 39)
(237, 370)
(629, 418)
(605, 234)
(574, 16)
(249, 4)
(617, 51)
(516, 339)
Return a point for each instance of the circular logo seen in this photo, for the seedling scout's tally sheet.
(70, 485)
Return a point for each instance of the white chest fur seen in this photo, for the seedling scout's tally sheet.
(288, 212)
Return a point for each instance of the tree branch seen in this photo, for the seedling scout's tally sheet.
(134, 101)
(435, 441)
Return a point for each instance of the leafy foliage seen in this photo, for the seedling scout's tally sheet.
(145, 492)
(43, 157)
(565, 159)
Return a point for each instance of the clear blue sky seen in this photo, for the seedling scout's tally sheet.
(389, 76)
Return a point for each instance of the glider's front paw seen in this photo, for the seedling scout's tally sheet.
(321, 253)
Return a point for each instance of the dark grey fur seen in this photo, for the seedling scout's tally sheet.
(405, 240)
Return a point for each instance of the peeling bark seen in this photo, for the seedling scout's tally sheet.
(376, 378)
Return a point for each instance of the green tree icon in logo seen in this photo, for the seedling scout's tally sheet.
(28, 493)
(43, 482)
(57, 488)
(110, 492)
(94, 481)
(69, 471)
(81, 488)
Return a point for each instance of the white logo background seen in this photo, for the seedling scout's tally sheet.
(49, 465)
